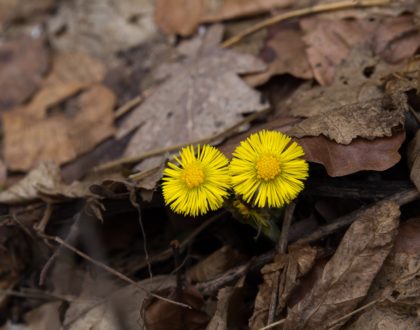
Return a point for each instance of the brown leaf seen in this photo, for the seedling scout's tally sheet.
(100, 27)
(413, 157)
(348, 275)
(27, 132)
(202, 98)
(215, 264)
(161, 313)
(284, 52)
(19, 9)
(284, 274)
(43, 180)
(23, 62)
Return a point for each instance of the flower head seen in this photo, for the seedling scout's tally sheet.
(198, 183)
(267, 169)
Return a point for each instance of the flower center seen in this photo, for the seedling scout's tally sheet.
(193, 175)
(268, 167)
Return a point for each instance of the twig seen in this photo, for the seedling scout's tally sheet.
(272, 325)
(415, 114)
(324, 7)
(45, 218)
(274, 298)
(110, 270)
(132, 103)
(159, 151)
(287, 221)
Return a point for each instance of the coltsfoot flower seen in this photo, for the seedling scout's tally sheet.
(267, 169)
(199, 182)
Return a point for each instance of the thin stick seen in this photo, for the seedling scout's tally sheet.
(111, 270)
(272, 325)
(323, 7)
(352, 313)
(287, 221)
(155, 152)
(273, 298)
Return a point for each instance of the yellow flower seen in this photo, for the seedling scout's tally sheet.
(267, 169)
(198, 183)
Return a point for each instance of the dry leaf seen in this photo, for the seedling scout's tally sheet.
(161, 313)
(284, 52)
(398, 284)
(348, 275)
(183, 16)
(23, 62)
(360, 155)
(413, 157)
(101, 27)
(329, 42)
(215, 264)
(27, 132)
(370, 119)
(200, 99)
(286, 270)
(19, 9)
(45, 180)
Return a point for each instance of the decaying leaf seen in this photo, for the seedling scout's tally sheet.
(43, 180)
(19, 9)
(23, 62)
(101, 27)
(371, 119)
(284, 274)
(203, 97)
(413, 156)
(397, 285)
(161, 313)
(183, 16)
(215, 264)
(347, 276)
(360, 155)
(28, 130)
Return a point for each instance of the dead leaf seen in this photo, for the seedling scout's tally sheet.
(43, 180)
(183, 16)
(413, 157)
(398, 283)
(286, 270)
(360, 155)
(348, 275)
(284, 52)
(329, 42)
(27, 132)
(200, 99)
(161, 313)
(215, 264)
(20, 9)
(23, 62)
(99, 27)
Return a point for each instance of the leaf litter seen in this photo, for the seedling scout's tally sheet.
(124, 84)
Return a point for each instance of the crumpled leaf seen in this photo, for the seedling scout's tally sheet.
(370, 119)
(398, 284)
(329, 41)
(28, 130)
(360, 155)
(413, 157)
(101, 27)
(183, 16)
(43, 180)
(203, 97)
(286, 269)
(215, 264)
(23, 62)
(347, 276)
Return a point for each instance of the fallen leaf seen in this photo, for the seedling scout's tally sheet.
(215, 264)
(413, 157)
(183, 16)
(347, 276)
(28, 130)
(283, 52)
(200, 99)
(397, 284)
(20, 9)
(360, 155)
(99, 27)
(23, 63)
(45, 179)
(284, 274)
(161, 313)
